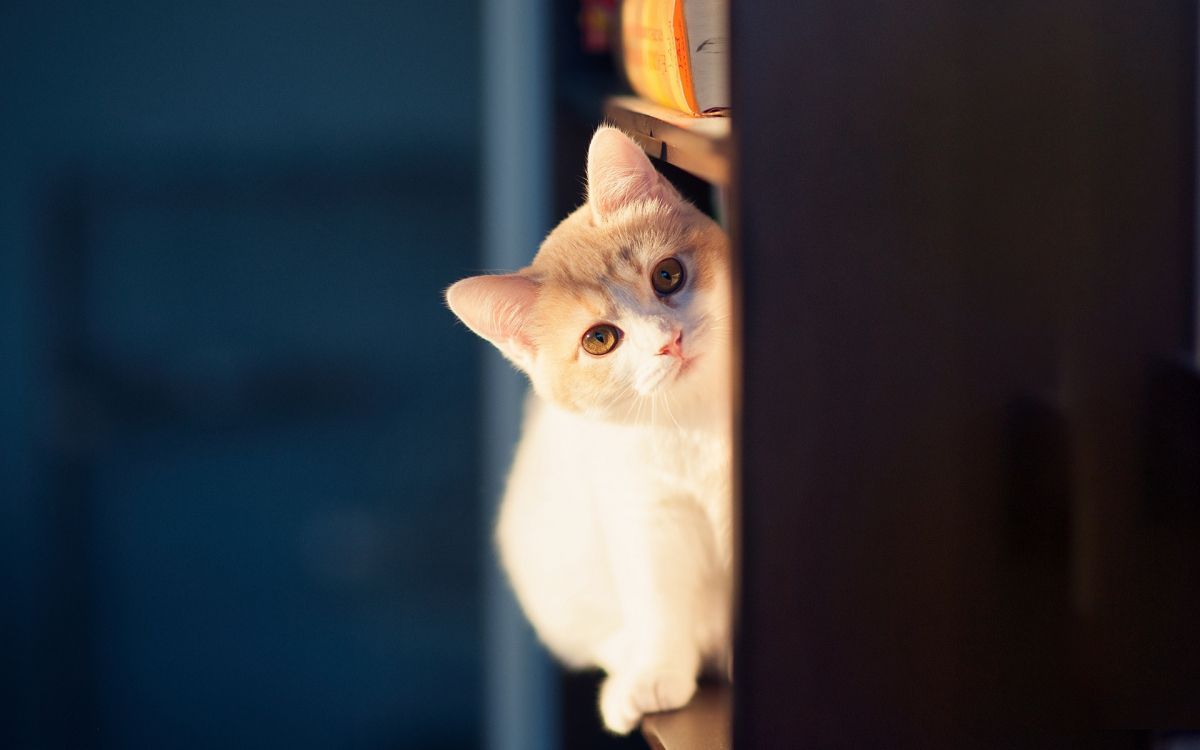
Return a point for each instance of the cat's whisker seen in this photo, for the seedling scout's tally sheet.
(623, 397)
(640, 403)
(667, 404)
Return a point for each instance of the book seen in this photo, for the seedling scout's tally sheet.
(676, 52)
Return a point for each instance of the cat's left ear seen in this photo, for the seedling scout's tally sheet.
(497, 308)
(618, 173)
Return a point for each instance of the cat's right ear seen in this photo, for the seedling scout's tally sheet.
(498, 307)
(618, 173)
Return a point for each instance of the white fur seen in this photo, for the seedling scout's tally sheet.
(616, 525)
(618, 541)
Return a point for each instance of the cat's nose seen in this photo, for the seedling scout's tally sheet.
(675, 348)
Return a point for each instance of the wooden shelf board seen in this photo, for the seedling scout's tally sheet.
(703, 724)
(700, 145)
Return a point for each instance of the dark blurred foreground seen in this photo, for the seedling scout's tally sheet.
(238, 500)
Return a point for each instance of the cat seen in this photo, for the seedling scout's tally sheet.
(615, 529)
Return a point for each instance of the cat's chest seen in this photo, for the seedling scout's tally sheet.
(690, 461)
(692, 457)
(632, 460)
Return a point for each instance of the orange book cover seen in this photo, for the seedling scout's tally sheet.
(654, 53)
(675, 52)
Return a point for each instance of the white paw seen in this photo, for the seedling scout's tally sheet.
(626, 697)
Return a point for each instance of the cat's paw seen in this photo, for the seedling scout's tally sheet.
(626, 697)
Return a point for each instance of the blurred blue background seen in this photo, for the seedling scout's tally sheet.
(239, 501)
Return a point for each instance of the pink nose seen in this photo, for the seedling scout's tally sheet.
(675, 348)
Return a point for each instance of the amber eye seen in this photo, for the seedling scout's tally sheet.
(601, 339)
(667, 277)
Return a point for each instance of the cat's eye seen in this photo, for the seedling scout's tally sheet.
(601, 339)
(667, 277)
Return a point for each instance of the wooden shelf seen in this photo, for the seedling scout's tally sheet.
(703, 724)
(700, 145)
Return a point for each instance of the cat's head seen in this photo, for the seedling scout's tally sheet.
(624, 312)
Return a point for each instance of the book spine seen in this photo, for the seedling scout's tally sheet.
(655, 52)
(683, 59)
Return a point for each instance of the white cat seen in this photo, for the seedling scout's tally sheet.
(615, 528)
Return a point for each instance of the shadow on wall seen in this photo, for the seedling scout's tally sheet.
(239, 477)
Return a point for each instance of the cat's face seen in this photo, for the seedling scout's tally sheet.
(632, 313)
(624, 313)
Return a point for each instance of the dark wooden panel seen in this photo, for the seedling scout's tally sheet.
(966, 237)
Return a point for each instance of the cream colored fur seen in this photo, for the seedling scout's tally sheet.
(615, 528)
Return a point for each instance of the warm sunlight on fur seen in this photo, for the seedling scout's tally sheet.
(615, 529)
